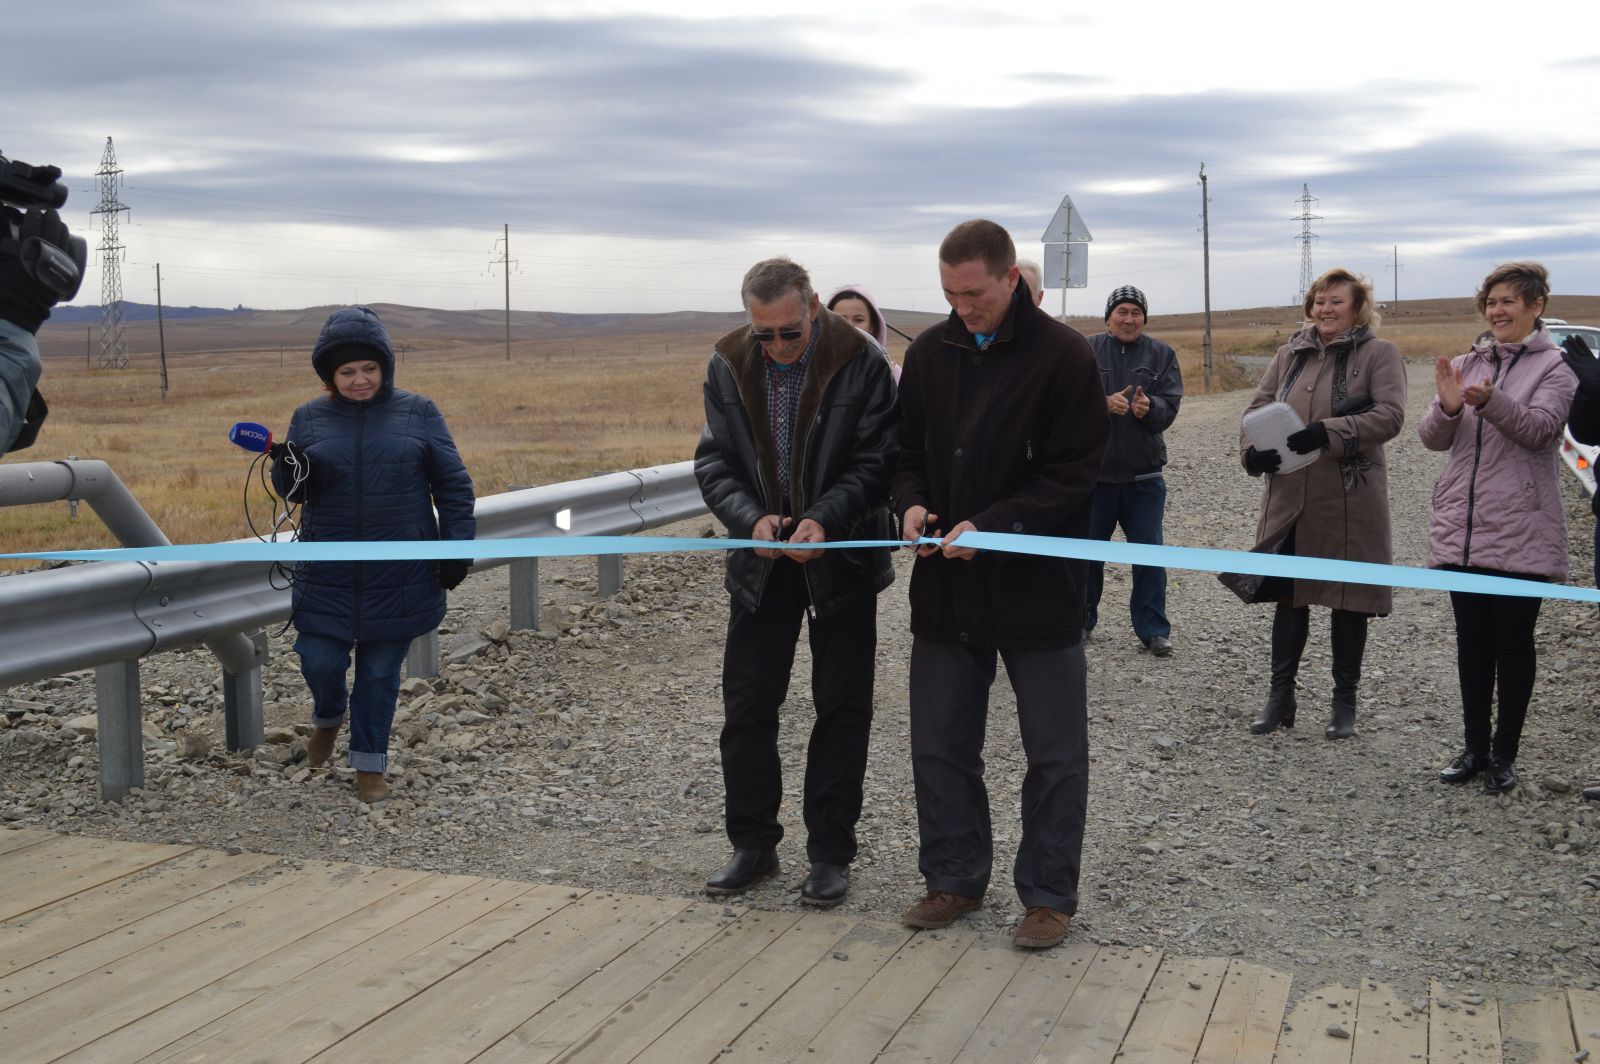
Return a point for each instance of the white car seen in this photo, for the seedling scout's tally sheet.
(1580, 457)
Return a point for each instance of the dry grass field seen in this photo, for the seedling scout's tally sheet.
(580, 395)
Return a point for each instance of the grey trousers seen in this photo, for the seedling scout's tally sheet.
(949, 713)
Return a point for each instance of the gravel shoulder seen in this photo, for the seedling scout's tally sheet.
(587, 754)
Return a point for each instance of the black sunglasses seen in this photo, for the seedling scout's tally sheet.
(766, 336)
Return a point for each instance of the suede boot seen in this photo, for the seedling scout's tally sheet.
(371, 786)
(1349, 645)
(1289, 627)
(320, 748)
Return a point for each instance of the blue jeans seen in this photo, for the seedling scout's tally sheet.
(1138, 507)
(370, 700)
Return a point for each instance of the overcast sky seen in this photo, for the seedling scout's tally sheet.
(303, 153)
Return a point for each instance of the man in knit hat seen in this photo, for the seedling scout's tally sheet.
(1143, 389)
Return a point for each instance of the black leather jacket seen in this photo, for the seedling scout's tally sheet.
(846, 442)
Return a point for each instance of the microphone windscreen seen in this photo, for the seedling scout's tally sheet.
(250, 436)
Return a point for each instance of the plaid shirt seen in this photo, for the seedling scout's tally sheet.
(784, 384)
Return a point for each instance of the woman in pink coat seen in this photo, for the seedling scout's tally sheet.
(1497, 508)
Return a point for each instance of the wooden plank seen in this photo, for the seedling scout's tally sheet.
(1019, 1021)
(1585, 1008)
(723, 1015)
(781, 1033)
(99, 1002)
(36, 876)
(1244, 1023)
(1091, 1028)
(941, 1026)
(870, 1019)
(1306, 1037)
(1462, 1033)
(1535, 1027)
(1172, 1019)
(17, 838)
(653, 1011)
(106, 949)
(153, 1032)
(581, 1012)
(1387, 1030)
(300, 1021)
(45, 932)
(465, 1013)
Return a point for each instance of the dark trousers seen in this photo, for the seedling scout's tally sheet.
(1138, 507)
(757, 660)
(1494, 646)
(949, 713)
(371, 700)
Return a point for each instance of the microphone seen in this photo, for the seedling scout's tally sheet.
(251, 436)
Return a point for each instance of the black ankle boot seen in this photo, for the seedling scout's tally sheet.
(1289, 627)
(1349, 645)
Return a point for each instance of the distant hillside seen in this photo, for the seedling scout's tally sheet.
(137, 312)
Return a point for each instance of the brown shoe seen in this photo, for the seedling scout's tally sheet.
(938, 910)
(320, 748)
(371, 786)
(1042, 928)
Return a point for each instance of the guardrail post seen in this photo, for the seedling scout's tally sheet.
(524, 594)
(610, 578)
(241, 702)
(423, 657)
(121, 735)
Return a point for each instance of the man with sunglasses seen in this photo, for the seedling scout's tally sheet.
(800, 439)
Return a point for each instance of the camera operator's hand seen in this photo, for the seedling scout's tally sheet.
(452, 571)
(24, 300)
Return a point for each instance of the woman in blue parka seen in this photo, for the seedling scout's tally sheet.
(380, 461)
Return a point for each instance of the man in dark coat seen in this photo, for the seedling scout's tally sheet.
(799, 443)
(1143, 387)
(1004, 425)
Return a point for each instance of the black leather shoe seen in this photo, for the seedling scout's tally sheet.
(1159, 645)
(1466, 765)
(1498, 776)
(825, 885)
(1592, 794)
(743, 869)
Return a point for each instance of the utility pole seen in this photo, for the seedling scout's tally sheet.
(1394, 264)
(161, 331)
(1305, 218)
(505, 262)
(1205, 243)
(113, 341)
(88, 333)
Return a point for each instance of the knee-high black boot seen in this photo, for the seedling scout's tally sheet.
(1289, 627)
(1349, 644)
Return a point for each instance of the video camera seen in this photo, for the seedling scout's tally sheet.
(24, 187)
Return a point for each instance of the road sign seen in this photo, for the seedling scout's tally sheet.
(1066, 226)
(1077, 264)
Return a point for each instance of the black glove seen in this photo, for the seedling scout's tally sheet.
(452, 571)
(1582, 362)
(289, 451)
(1314, 437)
(39, 269)
(1259, 462)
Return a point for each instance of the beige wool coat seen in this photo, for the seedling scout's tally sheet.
(1338, 506)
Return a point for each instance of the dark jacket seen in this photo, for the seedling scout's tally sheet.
(845, 442)
(1584, 423)
(1137, 449)
(1009, 438)
(19, 372)
(378, 469)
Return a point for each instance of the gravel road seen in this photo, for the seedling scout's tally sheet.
(587, 754)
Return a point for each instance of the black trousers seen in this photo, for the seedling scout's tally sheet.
(1494, 646)
(757, 660)
(949, 715)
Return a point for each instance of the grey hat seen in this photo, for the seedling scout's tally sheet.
(1126, 294)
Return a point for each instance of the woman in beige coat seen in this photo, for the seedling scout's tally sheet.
(1349, 388)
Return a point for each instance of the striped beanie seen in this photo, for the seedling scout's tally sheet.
(1126, 294)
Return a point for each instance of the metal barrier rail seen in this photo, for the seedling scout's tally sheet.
(109, 615)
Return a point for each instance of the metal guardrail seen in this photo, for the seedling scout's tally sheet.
(108, 615)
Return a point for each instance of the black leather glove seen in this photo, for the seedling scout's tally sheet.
(38, 269)
(1582, 362)
(1259, 462)
(287, 450)
(452, 571)
(1314, 437)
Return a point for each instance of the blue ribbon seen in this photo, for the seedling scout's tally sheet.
(1198, 559)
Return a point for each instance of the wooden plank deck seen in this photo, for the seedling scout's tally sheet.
(121, 952)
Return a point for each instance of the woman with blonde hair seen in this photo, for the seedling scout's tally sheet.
(1497, 508)
(1349, 389)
